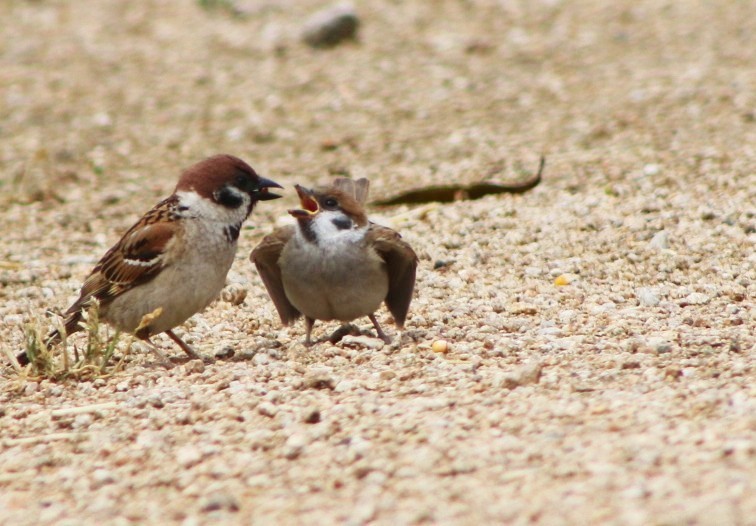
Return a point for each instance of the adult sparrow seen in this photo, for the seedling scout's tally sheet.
(173, 262)
(334, 264)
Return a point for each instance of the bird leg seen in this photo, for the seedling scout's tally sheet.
(309, 322)
(184, 347)
(381, 334)
(398, 341)
(154, 348)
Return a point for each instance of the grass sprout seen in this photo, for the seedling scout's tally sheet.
(56, 362)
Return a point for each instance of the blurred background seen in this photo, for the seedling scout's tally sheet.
(109, 96)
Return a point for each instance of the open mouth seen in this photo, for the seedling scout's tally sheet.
(309, 204)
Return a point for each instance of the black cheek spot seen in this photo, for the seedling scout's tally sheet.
(228, 197)
(342, 223)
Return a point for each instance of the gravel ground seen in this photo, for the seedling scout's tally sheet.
(601, 350)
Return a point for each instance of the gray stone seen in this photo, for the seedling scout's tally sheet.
(527, 374)
(331, 26)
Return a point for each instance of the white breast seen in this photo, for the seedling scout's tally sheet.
(190, 282)
(336, 279)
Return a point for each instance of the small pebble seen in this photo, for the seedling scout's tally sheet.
(219, 501)
(101, 477)
(194, 366)
(319, 379)
(695, 298)
(294, 446)
(267, 409)
(527, 374)
(362, 342)
(225, 353)
(647, 297)
(533, 271)
(660, 241)
(331, 26)
(261, 359)
(441, 346)
(235, 294)
(82, 421)
(311, 415)
(188, 456)
(344, 386)
(659, 345)
(155, 401)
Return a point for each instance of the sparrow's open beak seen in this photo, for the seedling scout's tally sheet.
(263, 194)
(309, 204)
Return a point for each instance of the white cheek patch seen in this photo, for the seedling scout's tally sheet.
(198, 206)
(328, 227)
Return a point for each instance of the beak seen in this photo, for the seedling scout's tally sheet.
(262, 193)
(309, 204)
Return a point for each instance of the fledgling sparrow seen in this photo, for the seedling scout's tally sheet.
(333, 264)
(173, 262)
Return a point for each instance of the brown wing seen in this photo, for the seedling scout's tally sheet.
(265, 256)
(401, 263)
(358, 189)
(135, 259)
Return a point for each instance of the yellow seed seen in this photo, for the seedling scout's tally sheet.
(441, 346)
(561, 280)
(149, 318)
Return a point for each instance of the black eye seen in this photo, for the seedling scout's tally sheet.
(241, 181)
(331, 202)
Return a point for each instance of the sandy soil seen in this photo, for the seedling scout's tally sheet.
(601, 327)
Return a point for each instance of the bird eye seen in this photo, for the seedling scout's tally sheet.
(241, 181)
(331, 202)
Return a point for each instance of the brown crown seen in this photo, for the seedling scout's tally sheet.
(205, 177)
(347, 203)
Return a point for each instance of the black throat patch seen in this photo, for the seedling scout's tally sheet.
(305, 225)
(232, 232)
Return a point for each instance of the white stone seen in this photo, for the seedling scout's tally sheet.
(647, 297)
(660, 241)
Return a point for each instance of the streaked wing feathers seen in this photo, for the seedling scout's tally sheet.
(265, 256)
(135, 259)
(401, 263)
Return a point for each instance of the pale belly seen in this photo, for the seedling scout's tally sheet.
(186, 289)
(326, 286)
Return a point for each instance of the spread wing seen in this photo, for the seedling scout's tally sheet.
(265, 256)
(401, 264)
(135, 259)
